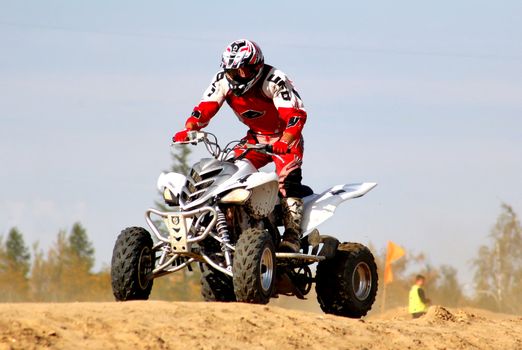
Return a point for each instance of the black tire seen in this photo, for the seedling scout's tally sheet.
(346, 285)
(254, 267)
(216, 286)
(132, 260)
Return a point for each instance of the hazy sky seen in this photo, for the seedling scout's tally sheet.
(424, 98)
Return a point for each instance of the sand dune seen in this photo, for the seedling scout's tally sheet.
(177, 325)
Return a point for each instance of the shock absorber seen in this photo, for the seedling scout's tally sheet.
(222, 230)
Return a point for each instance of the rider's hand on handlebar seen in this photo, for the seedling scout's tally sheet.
(181, 136)
(280, 147)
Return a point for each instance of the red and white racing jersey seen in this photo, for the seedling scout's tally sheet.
(272, 106)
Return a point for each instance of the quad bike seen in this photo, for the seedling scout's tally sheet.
(225, 217)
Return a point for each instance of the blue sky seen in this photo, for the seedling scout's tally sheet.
(423, 98)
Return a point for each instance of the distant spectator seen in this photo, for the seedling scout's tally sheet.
(418, 303)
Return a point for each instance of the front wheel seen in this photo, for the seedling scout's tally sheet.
(346, 285)
(254, 267)
(132, 262)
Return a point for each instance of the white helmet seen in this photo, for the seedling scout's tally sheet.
(243, 64)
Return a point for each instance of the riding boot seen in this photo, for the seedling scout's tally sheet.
(292, 218)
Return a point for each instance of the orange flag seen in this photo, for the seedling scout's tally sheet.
(393, 253)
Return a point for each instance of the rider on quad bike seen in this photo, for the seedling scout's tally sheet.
(264, 99)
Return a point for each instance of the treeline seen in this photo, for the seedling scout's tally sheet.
(65, 272)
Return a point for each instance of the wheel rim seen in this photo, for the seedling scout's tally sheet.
(362, 281)
(144, 267)
(266, 269)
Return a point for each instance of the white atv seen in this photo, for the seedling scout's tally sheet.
(225, 216)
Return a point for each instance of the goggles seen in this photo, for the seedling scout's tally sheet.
(242, 74)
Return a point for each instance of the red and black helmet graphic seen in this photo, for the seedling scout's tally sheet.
(241, 53)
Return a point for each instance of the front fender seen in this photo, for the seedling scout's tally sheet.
(260, 178)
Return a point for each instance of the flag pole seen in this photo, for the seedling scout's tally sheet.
(383, 303)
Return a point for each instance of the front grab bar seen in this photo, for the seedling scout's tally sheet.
(184, 214)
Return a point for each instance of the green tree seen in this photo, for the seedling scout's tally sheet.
(17, 252)
(80, 245)
(64, 272)
(14, 267)
(498, 265)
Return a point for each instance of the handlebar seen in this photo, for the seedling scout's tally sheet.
(263, 148)
(194, 137)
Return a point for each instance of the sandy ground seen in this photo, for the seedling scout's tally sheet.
(169, 325)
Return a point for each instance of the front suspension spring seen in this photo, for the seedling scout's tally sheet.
(222, 230)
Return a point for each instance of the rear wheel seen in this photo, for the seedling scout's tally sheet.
(132, 262)
(254, 267)
(347, 284)
(216, 286)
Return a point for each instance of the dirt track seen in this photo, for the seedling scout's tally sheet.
(167, 325)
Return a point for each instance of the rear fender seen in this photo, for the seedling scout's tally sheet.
(320, 207)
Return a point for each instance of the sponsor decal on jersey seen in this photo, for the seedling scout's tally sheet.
(219, 76)
(283, 90)
(250, 114)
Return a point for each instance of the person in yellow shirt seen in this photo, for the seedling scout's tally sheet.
(418, 303)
